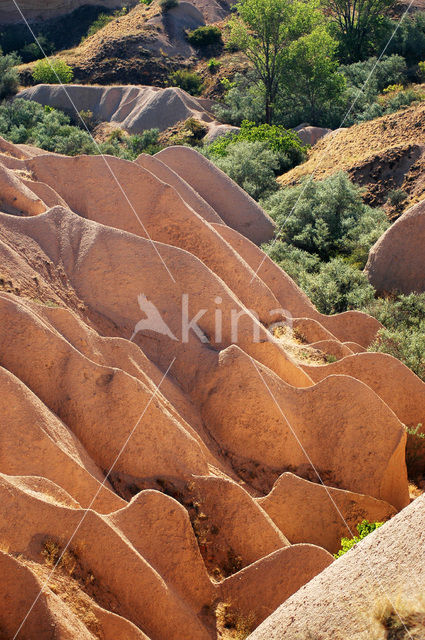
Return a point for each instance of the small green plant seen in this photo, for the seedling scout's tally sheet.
(166, 5)
(393, 88)
(87, 119)
(421, 66)
(146, 2)
(187, 80)
(364, 528)
(396, 198)
(204, 36)
(52, 71)
(213, 65)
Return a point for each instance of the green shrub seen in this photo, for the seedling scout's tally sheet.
(204, 36)
(327, 217)
(408, 39)
(396, 198)
(285, 144)
(166, 5)
(403, 335)
(52, 71)
(338, 287)
(9, 79)
(295, 262)
(187, 80)
(364, 528)
(213, 65)
(145, 142)
(24, 121)
(252, 165)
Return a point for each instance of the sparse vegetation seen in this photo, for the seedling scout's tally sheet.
(52, 71)
(364, 528)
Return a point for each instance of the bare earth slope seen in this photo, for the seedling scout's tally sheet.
(381, 155)
(131, 108)
(172, 472)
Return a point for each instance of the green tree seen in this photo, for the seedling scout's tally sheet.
(263, 29)
(358, 24)
(312, 82)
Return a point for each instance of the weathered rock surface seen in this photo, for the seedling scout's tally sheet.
(169, 472)
(128, 107)
(397, 261)
(369, 588)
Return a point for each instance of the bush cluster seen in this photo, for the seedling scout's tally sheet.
(204, 36)
(187, 80)
(9, 80)
(52, 71)
(24, 121)
(403, 335)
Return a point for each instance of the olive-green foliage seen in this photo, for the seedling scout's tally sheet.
(364, 528)
(311, 85)
(408, 40)
(204, 36)
(187, 80)
(9, 80)
(252, 165)
(52, 71)
(325, 232)
(338, 287)
(403, 336)
(24, 121)
(35, 50)
(333, 286)
(243, 100)
(328, 218)
(282, 142)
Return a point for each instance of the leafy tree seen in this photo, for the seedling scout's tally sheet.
(9, 79)
(312, 82)
(357, 24)
(53, 71)
(263, 29)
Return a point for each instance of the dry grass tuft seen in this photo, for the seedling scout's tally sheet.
(403, 619)
(232, 624)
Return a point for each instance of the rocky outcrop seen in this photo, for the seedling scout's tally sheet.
(168, 465)
(397, 261)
